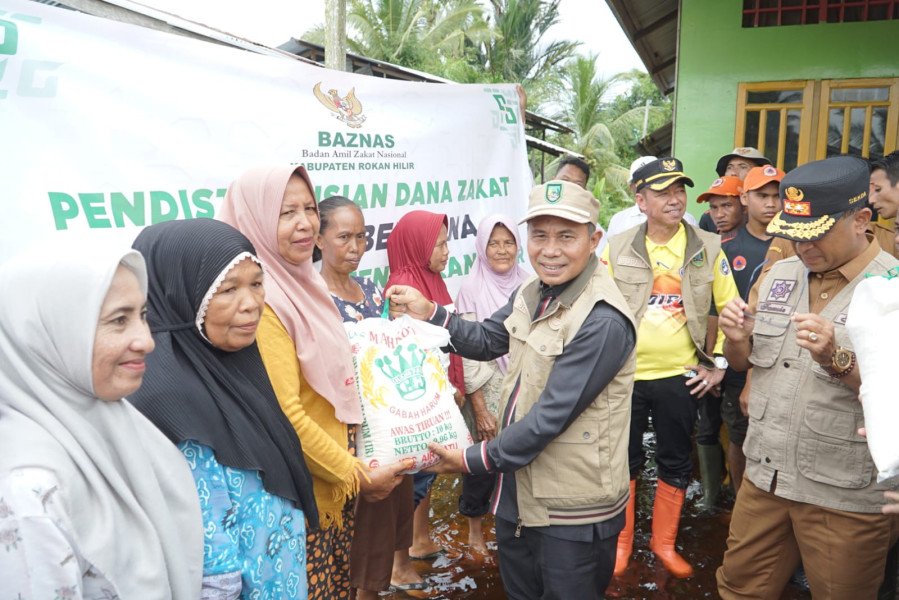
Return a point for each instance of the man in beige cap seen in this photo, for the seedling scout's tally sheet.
(560, 452)
(737, 164)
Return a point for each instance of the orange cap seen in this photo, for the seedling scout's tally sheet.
(760, 176)
(723, 186)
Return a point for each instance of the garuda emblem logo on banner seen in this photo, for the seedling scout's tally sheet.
(347, 109)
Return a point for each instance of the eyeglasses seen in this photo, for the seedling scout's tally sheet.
(780, 322)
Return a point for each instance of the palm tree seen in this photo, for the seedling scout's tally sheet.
(602, 134)
(418, 34)
(516, 53)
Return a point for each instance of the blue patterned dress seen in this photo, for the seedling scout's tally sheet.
(370, 306)
(248, 530)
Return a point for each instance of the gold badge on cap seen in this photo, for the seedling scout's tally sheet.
(794, 194)
(553, 192)
(669, 165)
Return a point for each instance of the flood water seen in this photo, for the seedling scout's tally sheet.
(701, 541)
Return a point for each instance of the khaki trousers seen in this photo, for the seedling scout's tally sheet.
(844, 553)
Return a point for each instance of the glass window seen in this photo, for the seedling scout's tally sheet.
(877, 94)
(775, 97)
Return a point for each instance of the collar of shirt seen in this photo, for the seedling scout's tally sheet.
(823, 287)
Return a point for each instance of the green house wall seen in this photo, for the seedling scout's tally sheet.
(716, 53)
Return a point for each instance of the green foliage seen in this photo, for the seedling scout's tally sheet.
(428, 35)
(516, 52)
(629, 110)
(612, 199)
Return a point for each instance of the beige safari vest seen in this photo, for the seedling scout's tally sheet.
(634, 277)
(582, 476)
(803, 423)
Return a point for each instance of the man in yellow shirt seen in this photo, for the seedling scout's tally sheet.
(649, 263)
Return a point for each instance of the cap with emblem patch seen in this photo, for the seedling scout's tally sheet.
(816, 194)
(762, 176)
(723, 186)
(659, 174)
(743, 152)
(562, 199)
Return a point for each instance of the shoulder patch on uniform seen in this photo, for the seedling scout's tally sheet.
(724, 267)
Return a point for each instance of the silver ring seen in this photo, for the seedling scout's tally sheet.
(705, 382)
(813, 336)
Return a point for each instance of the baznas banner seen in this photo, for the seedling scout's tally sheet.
(106, 128)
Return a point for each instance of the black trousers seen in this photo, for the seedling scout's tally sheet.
(476, 493)
(536, 566)
(673, 417)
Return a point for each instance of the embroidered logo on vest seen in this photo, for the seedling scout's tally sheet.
(781, 290)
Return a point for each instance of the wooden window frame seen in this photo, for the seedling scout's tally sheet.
(892, 126)
(820, 8)
(806, 108)
(815, 114)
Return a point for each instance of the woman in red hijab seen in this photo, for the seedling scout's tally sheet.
(417, 253)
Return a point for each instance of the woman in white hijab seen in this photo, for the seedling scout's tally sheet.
(94, 501)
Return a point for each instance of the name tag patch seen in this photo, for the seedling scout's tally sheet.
(631, 261)
(774, 307)
(841, 319)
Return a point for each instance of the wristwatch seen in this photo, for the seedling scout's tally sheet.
(720, 362)
(842, 362)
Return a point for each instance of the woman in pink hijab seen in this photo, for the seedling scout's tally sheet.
(493, 279)
(307, 357)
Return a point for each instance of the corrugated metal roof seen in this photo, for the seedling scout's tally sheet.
(548, 148)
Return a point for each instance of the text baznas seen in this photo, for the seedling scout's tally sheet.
(327, 139)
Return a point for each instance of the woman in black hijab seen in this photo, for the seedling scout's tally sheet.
(206, 388)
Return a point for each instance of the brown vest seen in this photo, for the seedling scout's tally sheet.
(582, 476)
(803, 423)
(633, 276)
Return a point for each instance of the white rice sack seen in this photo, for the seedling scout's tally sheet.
(873, 326)
(407, 400)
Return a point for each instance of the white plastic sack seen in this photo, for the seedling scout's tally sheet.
(873, 325)
(407, 400)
